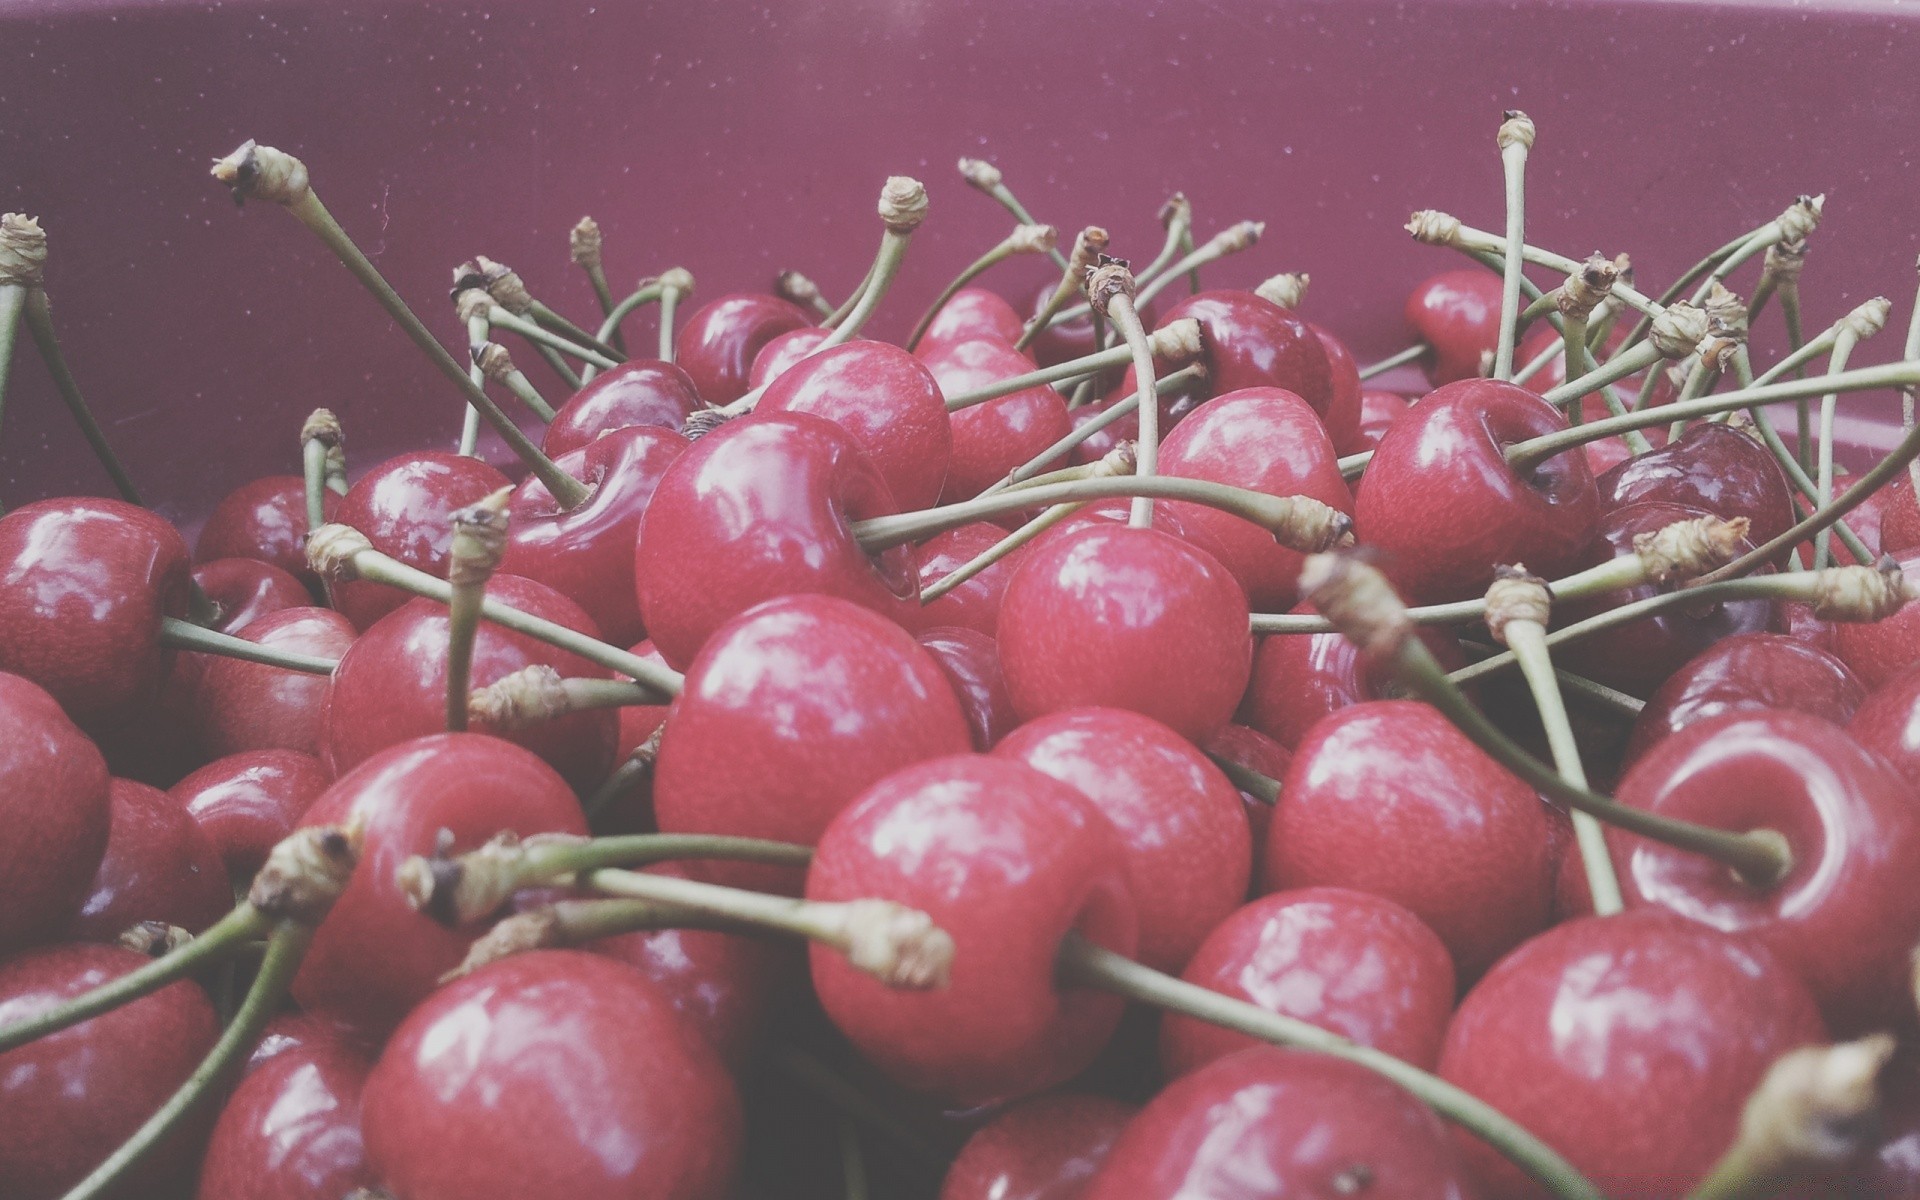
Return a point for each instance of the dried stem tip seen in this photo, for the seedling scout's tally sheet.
(1679, 330)
(493, 360)
(479, 540)
(324, 427)
(526, 697)
(1784, 262)
(23, 250)
(903, 204)
(1817, 1104)
(504, 284)
(1033, 239)
(1177, 341)
(331, 550)
(306, 872)
(154, 938)
(1434, 227)
(1868, 319)
(1286, 289)
(1688, 549)
(797, 288)
(1177, 208)
(899, 946)
(676, 279)
(583, 243)
(1586, 288)
(1726, 313)
(980, 173)
(702, 422)
(1515, 130)
(256, 172)
(1087, 248)
(1516, 595)
(1801, 218)
(538, 929)
(1357, 598)
(1111, 278)
(1859, 593)
(457, 890)
(1235, 238)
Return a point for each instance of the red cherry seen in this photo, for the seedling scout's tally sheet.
(586, 553)
(391, 684)
(1125, 618)
(632, 810)
(1257, 752)
(54, 809)
(791, 710)
(1865, 520)
(971, 662)
(1389, 798)
(1344, 410)
(783, 352)
(1266, 440)
(1457, 314)
(758, 509)
(72, 1097)
(1748, 670)
(991, 439)
(1273, 1124)
(638, 721)
(888, 400)
(1714, 467)
(1443, 504)
(1046, 1148)
(717, 344)
(245, 588)
(374, 956)
(242, 706)
(1008, 862)
(1299, 678)
(405, 506)
(245, 803)
(265, 520)
(972, 314)
(1899, 515)
(1845, 917)
(304, 1032)
(974, 604)
(1187, 846)
(1627, 1043)
(640, 391)
(551, 1074)
(1888, 723)
(1359, 965)
(158, 866)
(84, 583)
(1377, 411)
(291, 1130)
(1879, 650)
(1252, 342)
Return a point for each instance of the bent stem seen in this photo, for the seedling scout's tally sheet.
(177, 634)
(479, 541)
(1146, 448)
(1177, 216)
(1087, 248)
(584, 246)
(1164, 386)
(1401, 358)
(13, 302)
(1515, 139)
(1027, 239)
(478, 329)
(39, 320)
(987, 178)
(1789, 465)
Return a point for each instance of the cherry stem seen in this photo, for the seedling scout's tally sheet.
(1177, 214)
(177, 634)
(649, 291)
(547, 339)
(1912, 351)
(1789, 465)
(1399, 358)
(493, 362)
(1081, 963)
(584, 244)
(987, 178)
(568, 923)
(287, 946)
(39, 321)
(13, 302)
(1165, 385)
(479, 541)
(1017, 538)
(622, 781)
(796, 288)
(1087, 247)
(478, 331)
(1440, 229)
(322, 447)
(1146, 452)
(1515, 140)
(1027, 239)
(1680, 285)
(1261, 787)
(1228, 241)
(853, 1161)
(1169, 342)
(670, 298)
(839, 314)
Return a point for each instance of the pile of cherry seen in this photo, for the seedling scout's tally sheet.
(1004, 765)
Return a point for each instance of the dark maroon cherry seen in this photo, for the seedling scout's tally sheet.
(1748, 670)
(158, 866)
(717, 344)
(640, 391)
(970, 314)
(1299, 678)
(245, 803)
(1252, 342)
(974, 604)
(291, 1129)
(1343, 414)
(54, 809)
(1249, 748)
(991, 439)
(1713, 467)
(405, 507)
(1457, 314)
(1046, 1148)
(888, 400)
(265, 520)
(971, 662)
(245, 588)
(783, 352)
(240, 705)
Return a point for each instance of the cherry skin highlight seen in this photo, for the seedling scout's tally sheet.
(1045, 1148)
(246, 803)
(1299, 678)
(717, 344)
(405, 507)
(55, 810)
(245, 588)
(640, 391)
(1714, 467)
(990, 440)
(291, 1129)
(1457, 314)
(158, 866)
(264, 520)
(888, 400)
(1252, 342)
(783, 352)
(973, 314)
(1748, 671)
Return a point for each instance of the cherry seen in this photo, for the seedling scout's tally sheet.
(72, 1097)
(762, 508)
(1272, 1124)
(640, 391)
(241, 705)
(54, 808)
(1377, 411)
(1125, 618)
(291, 1129)
(1008, 862)
(717, 344)
(586, 553)
(265, 520)
(1389, 798)
(246, 803)
(1257, 752)
(784, 351)
(1343, 413)
(888, 400)
(1887, 722)
(1457, 314)
(1899, 514)
(1637, 657)
(974, 604)
(1441, 502)
(631, 811)
(1865, 521)
(404, 506)
(158, 866)
(298, 1031)
(86, 582)
(1252, 342)
(971, 661)
(245, 588)
(1356, 964)
(1714, 467)
(1748, 671)
(1187, 846)
(1845, 917)
(791, 710)
(1299, 678)
(1879, 650)
(976, 313)
(1266, 440)
(991, 439)
(391, 684)
(555, 1073)
(1045, 1148)
(1593, 406)
(374, 956)
(1576, 1034)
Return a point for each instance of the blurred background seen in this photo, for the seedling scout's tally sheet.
(737, 138)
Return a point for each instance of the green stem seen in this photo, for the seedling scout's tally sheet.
(999, 550)
(1193, 271)
(1165, 385)
(1790, 313)
(839, 314)
(1007, 200)
(1089, 364)
(1513, 159)
(546, 339)
(603, 295)
(176, 634)
(647, 293)
(553, 322)
(1179, 239)
(1263, 788)
(1789, 465)
(1147, 446)
(1685, 281)
(313, 462)
(629, 775)
(853, 1163)
(1411, 354)
(1837, 362)
(13, 302)
(40, 327)
(669, 311)
(1008, 248)
(477, 334)
(1613, 575)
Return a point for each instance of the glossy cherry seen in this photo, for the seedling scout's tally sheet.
(974, 604)
(158, 866)
(1356, 964)
(72, 1097)
(54, 808)
(1266, 440)
(791, 711)
(374, 956)
(291, 1129)
(640, 391)
(242, 706)
(1377, 411)
(245, 588)
(586, 553)
(758, 509)
(265, 520)
(245, 803)
(1443, 506)
(1252, 342)
(971, 662)
(1389, 798)
(1596, 1034)
(717, 344)
(548, 1075)
(1007, 861)
(1887, 722)
(975, 313)
(1879, 650)
(1045, 1148)
(1299, 678)
(1248, 747)
(1748, 671)
(888, 400)
(1125, 618)
(1272, 1124)
(991, 439)
(1844, 917)
(783, 352)
(1899, 515)
(405, 506)
(391, 684)
(1714, 467)
(1343, 414)
(1457, 314)
(1187, 846)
